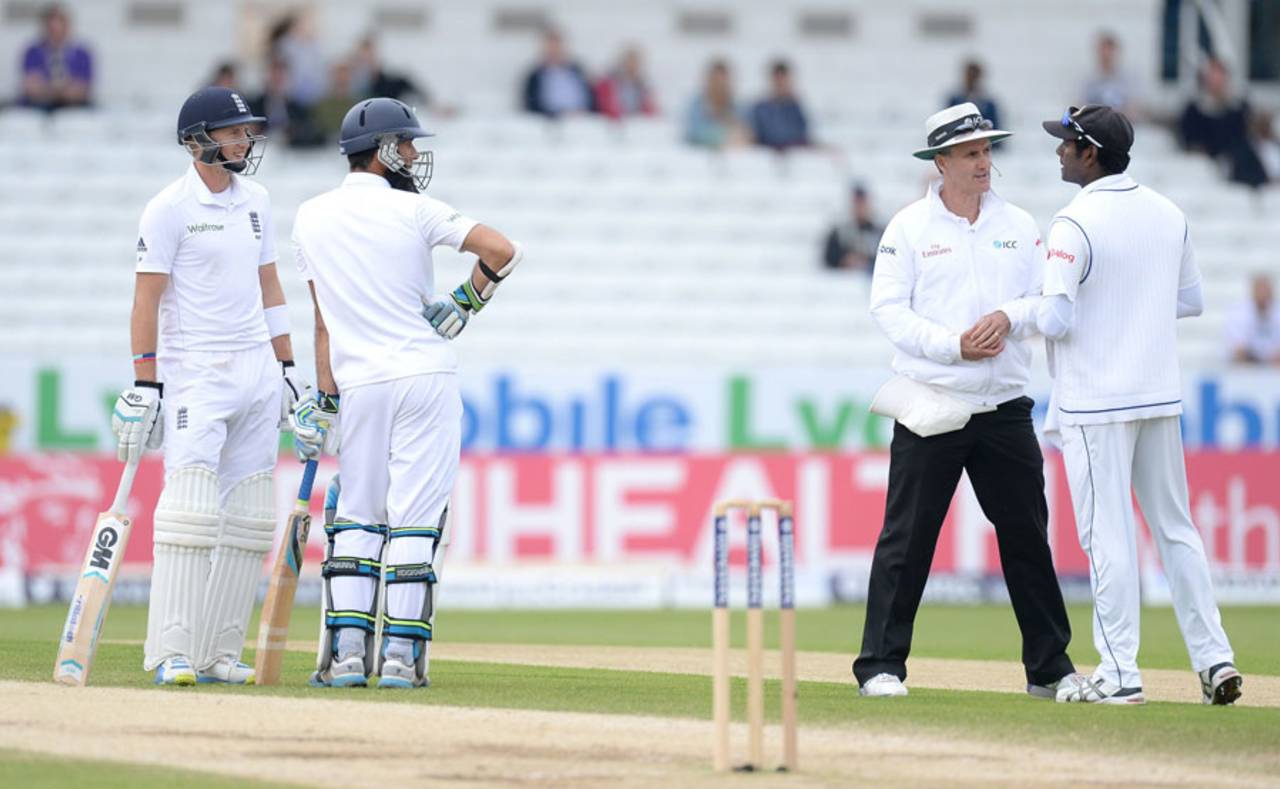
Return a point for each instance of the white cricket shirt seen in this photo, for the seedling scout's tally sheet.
(367, 248)
(211, 245)
(936, 275)
(1120, 252)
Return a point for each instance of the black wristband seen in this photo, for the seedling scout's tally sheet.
(489, 273)
(151, 385)
(285, 364)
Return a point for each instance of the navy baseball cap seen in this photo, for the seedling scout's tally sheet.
(1096, 124)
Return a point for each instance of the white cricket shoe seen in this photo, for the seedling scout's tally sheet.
(1099, 691)
(175, 671)
(395, 674)
(347, 673)
(227, 671)
(883, 685)
(1070, 683)
(1221, 684)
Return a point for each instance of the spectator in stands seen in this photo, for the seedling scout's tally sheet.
(1253, 328)
(625, 90)
(369, 77)
(557, 85)
(293, 40)
(327, 113)
(1217, 122)
(287, 119)
(56, 71)
(225, 75)
(778, 120)
(1110, 85)
(1266, 143)
(974, 91)
(851, 244)
(714, 120)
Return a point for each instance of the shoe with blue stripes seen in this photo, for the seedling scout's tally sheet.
(395, 674)
(175, 671)
(227, 671)
(348, 673)
(1100, 691)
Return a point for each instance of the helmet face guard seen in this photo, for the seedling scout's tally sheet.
(209, 150)
(418, 171)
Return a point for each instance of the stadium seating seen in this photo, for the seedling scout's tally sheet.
(655, 253)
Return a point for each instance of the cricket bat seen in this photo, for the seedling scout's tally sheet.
(273, 629)
(92, 597)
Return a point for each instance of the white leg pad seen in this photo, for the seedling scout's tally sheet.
(186, 528)
(248, 526)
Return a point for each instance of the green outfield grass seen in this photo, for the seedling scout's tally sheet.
(34, 771)
(28, 644)
(986, 632)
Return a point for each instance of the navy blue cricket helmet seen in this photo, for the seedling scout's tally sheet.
(381, 124)
(217, 108)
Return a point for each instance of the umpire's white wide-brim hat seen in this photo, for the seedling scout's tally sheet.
(954, 125)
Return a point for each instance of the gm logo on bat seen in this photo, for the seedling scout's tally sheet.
(104, 548)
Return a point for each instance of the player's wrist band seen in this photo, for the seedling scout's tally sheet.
(277, 320)
(159, 387)
(142, 358)
(285, 364)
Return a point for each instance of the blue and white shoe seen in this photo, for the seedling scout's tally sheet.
(395, 674)
(347, 673)
(1099, 691)
(1221, 684)
(175, 671)
(227, 672)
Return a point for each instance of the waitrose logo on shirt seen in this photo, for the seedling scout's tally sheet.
(203, 227)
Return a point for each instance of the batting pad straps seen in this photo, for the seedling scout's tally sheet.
(249, 519)
(356, 567)
(187, 512)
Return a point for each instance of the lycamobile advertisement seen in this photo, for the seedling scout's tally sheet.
(66, 405)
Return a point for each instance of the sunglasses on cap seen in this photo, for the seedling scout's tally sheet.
(1070, 123)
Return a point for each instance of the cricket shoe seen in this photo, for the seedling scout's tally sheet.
(1069, 684)
(227, 671)
(1221, 684)
(883, 685)
(175, 671)
(347, 673)
(395, 674)
(1100, 691)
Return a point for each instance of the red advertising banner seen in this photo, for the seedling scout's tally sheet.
(651, 509)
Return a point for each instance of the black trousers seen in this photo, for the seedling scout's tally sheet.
(1000, 452)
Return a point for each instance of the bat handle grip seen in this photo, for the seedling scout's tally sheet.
(308, 480)
(126, 485)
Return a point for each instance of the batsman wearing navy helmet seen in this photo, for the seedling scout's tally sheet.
(386, 372)
(214, 379)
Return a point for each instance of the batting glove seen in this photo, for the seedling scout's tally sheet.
(315, 425)
(295, 388)
(446, 315)
(136, 420)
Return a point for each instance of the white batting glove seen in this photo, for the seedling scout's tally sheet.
(296, 387)
(136, 420)
(446, 315)
(315, 425)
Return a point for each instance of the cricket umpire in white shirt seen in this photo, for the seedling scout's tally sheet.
(382, 344)
(210, 333)
(956, 285)
(1120, 272)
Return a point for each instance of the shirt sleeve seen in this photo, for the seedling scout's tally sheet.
(300, 260)
(1068, 258)
(1189, 271)
(892, 283)
(158, 240)
(441, 225)
(1023, 309)
(268, 251)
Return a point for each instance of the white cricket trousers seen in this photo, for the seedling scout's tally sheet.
(1104, 463)
(400, 447)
